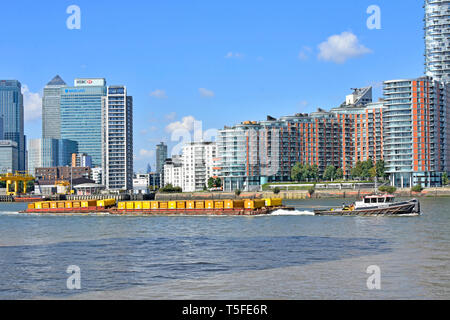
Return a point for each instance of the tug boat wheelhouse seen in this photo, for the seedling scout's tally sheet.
(375, 205)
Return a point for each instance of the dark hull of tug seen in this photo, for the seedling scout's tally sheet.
(403, 208)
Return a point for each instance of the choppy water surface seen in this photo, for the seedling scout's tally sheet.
(286, 256)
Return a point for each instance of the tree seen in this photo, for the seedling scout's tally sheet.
(366, 169)
(214, 183)
(373, 173)
(329, 174)
(357, 170)
(388, 189)
(171, 189)
(315, 172)
(211, 182)
(445, 178)
(381, 169)
(296, 172)
(339, 175)
(237, 192)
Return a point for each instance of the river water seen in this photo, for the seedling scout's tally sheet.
(286, 256)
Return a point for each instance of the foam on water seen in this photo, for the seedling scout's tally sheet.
(292, 213)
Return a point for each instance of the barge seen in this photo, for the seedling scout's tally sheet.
(160, 208)
(375, 205)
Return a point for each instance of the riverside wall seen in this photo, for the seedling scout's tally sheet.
(299, 194)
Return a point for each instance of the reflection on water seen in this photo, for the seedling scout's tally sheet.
(227, 257)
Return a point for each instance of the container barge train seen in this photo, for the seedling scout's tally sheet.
(194, 207)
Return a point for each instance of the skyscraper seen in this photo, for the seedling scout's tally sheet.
(11, 110)
(81, 116)
(46, 153)
(51, 109)
(416, 147)
(437, 40)
(117, 139)
(161, 156)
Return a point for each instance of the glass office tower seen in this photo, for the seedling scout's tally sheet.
(48, 153)
(51, 113)
(81, 116)
(161, 156)
(437, 39)
(11, 110)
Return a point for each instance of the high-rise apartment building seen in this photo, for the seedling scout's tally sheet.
(173, 172)
(51, 109)
(198, 165)
(161, 156)
(81, 116)
(12, 112)
(81, 160)
(117, 139)
(257, 152)
(416, 134)
(437, 40)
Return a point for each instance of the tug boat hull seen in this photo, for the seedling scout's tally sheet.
(402, 208)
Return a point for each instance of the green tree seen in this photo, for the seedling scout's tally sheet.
(356, 171)
(296, 172)
(381, 169)
(329, 174)
(445, 178)
(211, 183)
(218, 182)
(373, 172)
(315, 172)
(339, 175)
(366, 169)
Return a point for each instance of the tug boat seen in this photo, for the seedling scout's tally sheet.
(375, 205)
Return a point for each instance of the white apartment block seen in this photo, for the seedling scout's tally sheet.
(117, 139)
(173, 172)
(199, 164)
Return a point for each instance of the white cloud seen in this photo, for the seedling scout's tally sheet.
(32, 103)
(304, 53)
(206, 93)
(159, 94)
(171, 116)
(145, 154)
(235, 55)
(187, 123)
(341, 47)
(303, 103)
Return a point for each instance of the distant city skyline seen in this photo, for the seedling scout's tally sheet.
(179, 71)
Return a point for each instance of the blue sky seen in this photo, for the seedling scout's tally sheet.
(219, 62)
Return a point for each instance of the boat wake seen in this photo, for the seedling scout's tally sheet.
(282, 212)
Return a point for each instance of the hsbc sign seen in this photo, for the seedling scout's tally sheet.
(89, 82)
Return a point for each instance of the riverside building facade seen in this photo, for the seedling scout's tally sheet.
(437, 40)
(117, 139)
(81, 116)
(12, 112)
(51, 109)
(199, 164)
(416, 131)
(257, 152)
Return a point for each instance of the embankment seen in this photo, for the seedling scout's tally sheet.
(301, 194)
